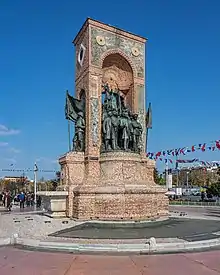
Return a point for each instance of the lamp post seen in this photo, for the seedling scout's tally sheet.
(187, 179)
(167, 175)
(35, 185)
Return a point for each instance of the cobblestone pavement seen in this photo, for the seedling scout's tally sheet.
(14, 261)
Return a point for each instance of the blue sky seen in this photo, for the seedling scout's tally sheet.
(37, 66)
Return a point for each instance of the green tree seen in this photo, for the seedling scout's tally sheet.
(158, 178)
(214, 189)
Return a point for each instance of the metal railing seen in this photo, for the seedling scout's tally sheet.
(195, 203)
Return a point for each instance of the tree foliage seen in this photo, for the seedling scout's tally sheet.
(214, 189)
(196, 177)
(158, 178)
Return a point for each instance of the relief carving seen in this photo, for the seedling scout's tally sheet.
(95, 120)
(134, 50)
(124, 79)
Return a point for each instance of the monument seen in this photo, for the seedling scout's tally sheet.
(107, 174)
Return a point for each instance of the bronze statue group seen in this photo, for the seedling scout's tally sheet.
(120, 127)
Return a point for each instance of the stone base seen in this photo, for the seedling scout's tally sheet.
(54, 202)
(117, 186)
(125, 191)
(129, 202)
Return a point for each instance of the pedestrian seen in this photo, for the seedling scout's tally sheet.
(4, 199)
(39, 201)
(32, 199)
(8, 201)
(28, 200)
(1, 199)
(22, 199)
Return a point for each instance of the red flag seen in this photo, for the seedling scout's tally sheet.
(203, 147)
(217, 143)
(158, 154)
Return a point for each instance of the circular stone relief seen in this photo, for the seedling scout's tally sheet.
(100, 40)
(135, 51)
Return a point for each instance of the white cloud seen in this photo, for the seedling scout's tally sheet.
(14, 150)
(3, 144)
(5, 131)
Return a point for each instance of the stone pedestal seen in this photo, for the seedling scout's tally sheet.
(72, 174)
(128, 202)
(55, 203)
(125, 189)
(122, 168)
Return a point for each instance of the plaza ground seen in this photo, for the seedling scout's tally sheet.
(14, 261)
(18, 261)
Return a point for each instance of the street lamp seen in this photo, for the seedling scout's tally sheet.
(35, 184)
(187, 179)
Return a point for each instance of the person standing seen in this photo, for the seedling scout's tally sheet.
(22, 199)
(8, 200)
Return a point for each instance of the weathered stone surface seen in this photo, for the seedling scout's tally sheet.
(115, 41)
(95, 120)
(120, 205)
(125, 189)
(72, 168)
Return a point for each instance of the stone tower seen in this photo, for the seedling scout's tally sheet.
(105, 53)
(111, 185)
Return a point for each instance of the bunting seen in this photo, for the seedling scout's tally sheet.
(211, 146)
(201, 162)
(26, 170)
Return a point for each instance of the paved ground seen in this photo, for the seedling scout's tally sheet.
(14, 262)
(29, 225)
(197, 211)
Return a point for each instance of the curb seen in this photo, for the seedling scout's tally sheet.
(80, 248)
(195, 206)
(150, 247)
(5, 241)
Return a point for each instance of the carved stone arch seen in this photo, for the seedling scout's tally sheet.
(120, 52)
(118, 71)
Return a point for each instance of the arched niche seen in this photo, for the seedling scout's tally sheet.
(118, 73)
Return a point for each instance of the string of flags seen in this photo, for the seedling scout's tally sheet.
(165, 154)
(28, 170)
(191, 161)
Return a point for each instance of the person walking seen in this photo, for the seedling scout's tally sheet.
(22, 199)
(4, 198)
(8, 200)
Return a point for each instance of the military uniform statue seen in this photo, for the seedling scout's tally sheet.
(107, 128)
(120, 128)
(78, 141)
(136, 133)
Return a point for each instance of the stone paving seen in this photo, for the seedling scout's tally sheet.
(29, 225)
(14, 262)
